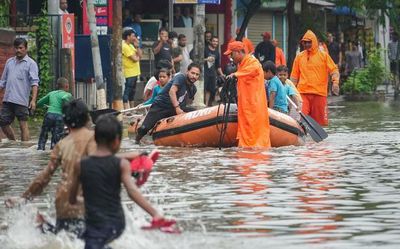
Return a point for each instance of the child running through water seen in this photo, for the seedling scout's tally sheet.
(100, 176)
(79, 143)
(164, 76)
(291, 91)
(53, 120)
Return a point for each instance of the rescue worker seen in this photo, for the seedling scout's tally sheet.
(253, 118)
(310, 75)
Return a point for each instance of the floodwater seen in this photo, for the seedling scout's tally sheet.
(341, 193)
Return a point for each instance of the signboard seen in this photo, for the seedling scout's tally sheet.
(209, 2)
(101, 11)
(185, 1)
(68, 37)
(100, 2)
(198, 1)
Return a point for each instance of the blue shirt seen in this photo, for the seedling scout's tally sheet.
(280, 103)
(18, 78)
(156, 90)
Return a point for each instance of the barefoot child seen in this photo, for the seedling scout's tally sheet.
(53, 120)
(79, 143)
(100, 176)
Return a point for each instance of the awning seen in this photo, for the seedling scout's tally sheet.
(321, 3)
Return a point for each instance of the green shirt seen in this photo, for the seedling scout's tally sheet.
(55, 100)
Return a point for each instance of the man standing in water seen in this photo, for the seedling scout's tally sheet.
(253, 118)
(20, 75)
(310, 73)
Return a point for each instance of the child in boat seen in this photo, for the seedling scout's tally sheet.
(164, 76)
(53, 120)
(291, 91)
(100, 176)
(276, 92)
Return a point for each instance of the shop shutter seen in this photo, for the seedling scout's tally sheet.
(261, 22)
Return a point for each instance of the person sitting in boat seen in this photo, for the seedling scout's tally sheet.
(153, 81)
(276, 92)
(282, 72)
(164, 76)
(172, 99)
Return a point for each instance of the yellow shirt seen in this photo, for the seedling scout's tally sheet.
(130, 67)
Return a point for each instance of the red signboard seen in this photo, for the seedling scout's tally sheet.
(101, 11)
(68, 37)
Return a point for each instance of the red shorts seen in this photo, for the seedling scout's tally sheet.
(316, 106)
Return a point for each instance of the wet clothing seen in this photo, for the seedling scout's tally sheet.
(65, 154)
(162, 106)
(9, 111)
(280, 101)
(101, 185)
(53, 120)
(317, 107)
(253, 118)
(165, 52)
(54, 124)
(75, 226)
(265, 51)
(279, 57)
(54, 100)
(98, 237)
(18, 77)
(310, 71)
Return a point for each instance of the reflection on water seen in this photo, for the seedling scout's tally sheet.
(341, 193)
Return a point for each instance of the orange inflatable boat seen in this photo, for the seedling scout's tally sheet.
(203, 128)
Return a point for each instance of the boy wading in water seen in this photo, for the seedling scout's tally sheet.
(53, 121)
(101, 175)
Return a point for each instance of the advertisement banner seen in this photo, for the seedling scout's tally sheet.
(68, 37)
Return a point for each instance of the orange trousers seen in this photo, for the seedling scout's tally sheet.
(316, 106)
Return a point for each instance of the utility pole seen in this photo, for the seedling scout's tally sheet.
(98, 71)
(117, 77)
(199, 29)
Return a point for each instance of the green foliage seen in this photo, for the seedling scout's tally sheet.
(4, 9)
(44, 46)
(367, 79)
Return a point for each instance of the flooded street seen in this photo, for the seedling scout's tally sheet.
(341, 193)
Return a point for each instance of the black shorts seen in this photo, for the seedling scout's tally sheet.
(10, 110)
(210, 84)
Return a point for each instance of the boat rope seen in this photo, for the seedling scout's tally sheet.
(228, 95)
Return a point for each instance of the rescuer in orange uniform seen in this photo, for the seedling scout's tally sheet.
(248, 45)
(310, 73)
(279, 55)
(253, 118)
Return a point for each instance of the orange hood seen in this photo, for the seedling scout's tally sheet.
(310, 36)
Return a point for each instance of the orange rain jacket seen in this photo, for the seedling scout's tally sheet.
(310, 69)
(253, 118)
(279, 57)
